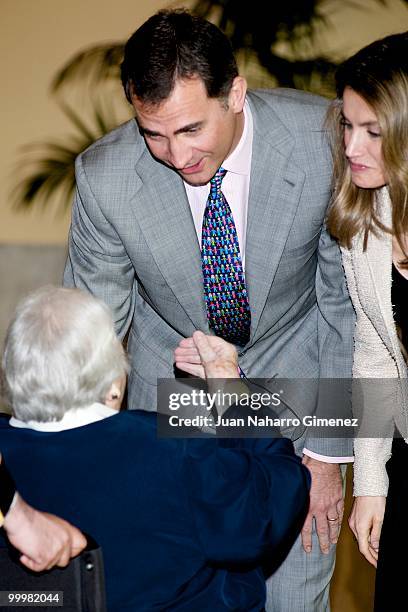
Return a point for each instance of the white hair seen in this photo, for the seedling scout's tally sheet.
(61, 352)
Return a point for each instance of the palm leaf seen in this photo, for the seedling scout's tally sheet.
(266, 25)
(53, 170)
(51, 166)
(96, 64)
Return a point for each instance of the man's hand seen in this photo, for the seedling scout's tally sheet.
(44, 539)
(207, 357)
(326, 502)
(366, 521)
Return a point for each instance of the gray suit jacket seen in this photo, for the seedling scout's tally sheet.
(132, 242)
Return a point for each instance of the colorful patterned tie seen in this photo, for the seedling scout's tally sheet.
(225, 292)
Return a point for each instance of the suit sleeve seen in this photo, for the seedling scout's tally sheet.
(97, 261)
(247, 498)
(335, 327)
(372, 400)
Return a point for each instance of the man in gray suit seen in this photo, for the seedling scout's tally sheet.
(135, 238)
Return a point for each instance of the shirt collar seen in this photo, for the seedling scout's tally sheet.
(239, 161)
(76, 417)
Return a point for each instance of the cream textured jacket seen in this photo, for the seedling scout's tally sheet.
(377, 353)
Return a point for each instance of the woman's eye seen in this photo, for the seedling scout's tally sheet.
(345, 124)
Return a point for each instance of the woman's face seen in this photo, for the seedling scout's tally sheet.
(362, 141)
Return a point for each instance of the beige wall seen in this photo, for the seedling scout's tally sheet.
(38, 36)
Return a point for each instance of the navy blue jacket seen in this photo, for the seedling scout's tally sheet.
(183, 524)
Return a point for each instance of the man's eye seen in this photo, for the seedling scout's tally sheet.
(153, 136)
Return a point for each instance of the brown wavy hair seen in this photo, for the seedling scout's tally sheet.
(379, 74)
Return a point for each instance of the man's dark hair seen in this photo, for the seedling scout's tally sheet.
(176, 45)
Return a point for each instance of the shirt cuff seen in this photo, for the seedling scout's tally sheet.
(327, 458)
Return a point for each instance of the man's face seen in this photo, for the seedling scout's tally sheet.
(190, 132)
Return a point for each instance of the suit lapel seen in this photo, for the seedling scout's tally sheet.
(274, 194)
(378, 258)
(164, 216)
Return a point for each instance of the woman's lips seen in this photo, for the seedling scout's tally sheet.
(358, 167)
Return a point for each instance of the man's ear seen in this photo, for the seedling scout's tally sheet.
(236, 96)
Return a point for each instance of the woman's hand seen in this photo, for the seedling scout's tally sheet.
(366, 521)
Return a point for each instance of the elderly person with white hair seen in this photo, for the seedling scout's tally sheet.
(183, 523)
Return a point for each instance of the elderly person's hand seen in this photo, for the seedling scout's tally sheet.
(207, 357)
(44, 539)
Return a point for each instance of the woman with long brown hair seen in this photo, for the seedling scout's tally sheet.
(369, 217)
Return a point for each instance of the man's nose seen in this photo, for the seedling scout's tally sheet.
(179, 154)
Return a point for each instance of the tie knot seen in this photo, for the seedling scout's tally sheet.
(215, 183)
